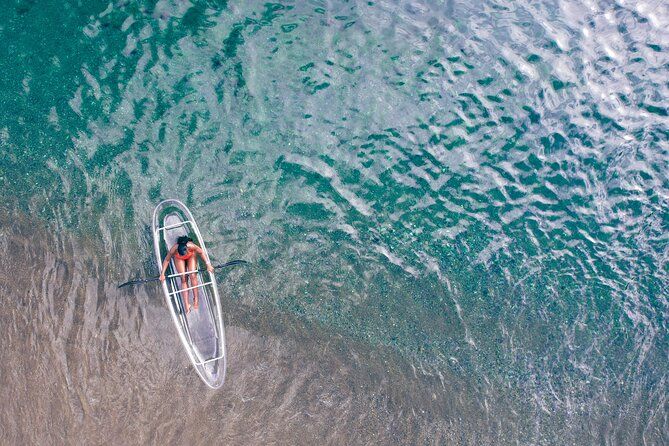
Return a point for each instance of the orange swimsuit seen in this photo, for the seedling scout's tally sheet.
(188, 255)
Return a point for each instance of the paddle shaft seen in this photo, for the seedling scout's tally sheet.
(156, 278)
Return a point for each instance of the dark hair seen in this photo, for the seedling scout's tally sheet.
(183, 241)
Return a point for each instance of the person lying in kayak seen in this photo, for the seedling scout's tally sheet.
(185, 254)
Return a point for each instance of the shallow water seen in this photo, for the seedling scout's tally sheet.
(474, 194)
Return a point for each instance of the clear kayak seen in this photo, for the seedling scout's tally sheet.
(201, 331)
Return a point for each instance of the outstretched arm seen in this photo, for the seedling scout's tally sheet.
(167, 262)
(204, 256)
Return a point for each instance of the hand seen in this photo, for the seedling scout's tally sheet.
(210, 268)
(162, 277)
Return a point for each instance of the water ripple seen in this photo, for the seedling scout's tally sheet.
(481, 188)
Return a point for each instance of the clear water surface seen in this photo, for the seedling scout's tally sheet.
(478, 191)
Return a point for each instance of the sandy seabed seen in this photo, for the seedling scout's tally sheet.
(86, 363)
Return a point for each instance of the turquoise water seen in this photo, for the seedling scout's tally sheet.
(480, 189)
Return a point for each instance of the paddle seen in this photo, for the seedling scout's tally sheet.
(153, 279)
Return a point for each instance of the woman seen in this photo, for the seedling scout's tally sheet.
(185, 259)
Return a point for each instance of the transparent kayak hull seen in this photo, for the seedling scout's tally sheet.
(201, 331)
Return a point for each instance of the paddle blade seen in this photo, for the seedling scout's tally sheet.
(138, 281)
(231, 263)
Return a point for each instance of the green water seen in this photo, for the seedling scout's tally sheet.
(482, 189)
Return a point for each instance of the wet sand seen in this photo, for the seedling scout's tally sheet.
(83, 362)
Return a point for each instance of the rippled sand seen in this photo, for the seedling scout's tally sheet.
(85, 362)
